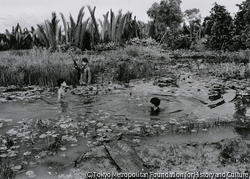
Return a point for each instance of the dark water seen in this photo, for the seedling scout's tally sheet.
(132, 103)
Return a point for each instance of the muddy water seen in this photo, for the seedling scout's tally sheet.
(131, 103)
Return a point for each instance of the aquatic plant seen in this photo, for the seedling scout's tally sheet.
(5, 169)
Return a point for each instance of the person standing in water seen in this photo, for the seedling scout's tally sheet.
(155, 110)
(61, 94)
(84, 72)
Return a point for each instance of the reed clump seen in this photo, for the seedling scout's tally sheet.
(34, 68)
(40, 67)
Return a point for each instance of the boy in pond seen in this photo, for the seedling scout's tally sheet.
(84, 72)
(61, 94)
(155, 110)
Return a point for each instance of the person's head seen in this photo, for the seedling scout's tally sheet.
(155, 101)
(155, 106)
(61, 82)
(85, 61)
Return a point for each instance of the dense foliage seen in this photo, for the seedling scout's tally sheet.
(169, 26)
(219, 27)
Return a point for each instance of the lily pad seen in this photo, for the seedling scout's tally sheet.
(63, 148)
(27, 153)
(3, 155)
(42, 136)
(12, 154)
(17, 167)
(12, 132)
(3, 148)
(8, 120)
(64, 126)
(30, 174)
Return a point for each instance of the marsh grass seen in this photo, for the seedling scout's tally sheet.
(34, 68)
(40, 67)
(230, 70)
(5, 169)
(136, 62)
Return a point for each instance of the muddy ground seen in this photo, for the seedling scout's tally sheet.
(203, 129)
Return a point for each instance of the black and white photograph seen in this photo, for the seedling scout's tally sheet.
(125, 89)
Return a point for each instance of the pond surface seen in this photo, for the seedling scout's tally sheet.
(178, 105)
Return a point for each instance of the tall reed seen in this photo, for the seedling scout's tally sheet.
(40, 67)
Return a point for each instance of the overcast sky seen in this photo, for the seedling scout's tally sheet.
(31, 12)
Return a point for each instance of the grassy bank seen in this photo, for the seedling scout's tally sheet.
(40, 67)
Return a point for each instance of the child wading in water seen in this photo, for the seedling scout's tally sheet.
(61, 94)
(84, 72)
(155, 110)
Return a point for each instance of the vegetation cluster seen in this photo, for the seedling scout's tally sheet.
(169, 26)
(40, 67)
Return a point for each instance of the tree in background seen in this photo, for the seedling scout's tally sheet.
(219, 28)
(193, 17)
(242, 26)
(167, 18)
(194, 29)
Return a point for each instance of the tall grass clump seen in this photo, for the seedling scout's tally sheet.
(231, 70)
(137, 62)
(133, 51)
(35, 68)
(43, 68)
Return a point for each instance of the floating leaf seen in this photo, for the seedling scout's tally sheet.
(43, 153)
(12, 154)
(17, 167)
(30, 174)
(8, 120)
(20, 134)
(204, 130)
(32, 164)
(54, 135)
(194, 131)
(64, 126)
(49, 132)
(49, 173)
(43, 136)
(3, 148)
(27, 153)
(3, 155)
(63, 148)
(12, 132)
(172, 121)
(64, 155)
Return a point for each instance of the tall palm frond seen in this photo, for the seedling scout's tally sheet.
(104, 27)
(50, 32)
(83, 32)
(96, 32)
(78, 28)
(65, 27)
(120, 28)
(42, 35)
